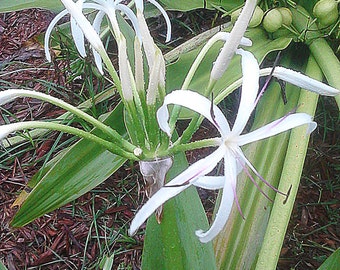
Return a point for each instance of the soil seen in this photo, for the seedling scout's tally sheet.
(68, 238)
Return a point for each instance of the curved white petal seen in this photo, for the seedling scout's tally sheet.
(283, 124)
(77, 33)
(210, 182)
(195, 102)
(250, 87)
(49, 31)
(226, 203)
(175, 186)
(5, 130)
(139, 4)
(8, 95)
(90, 34)
(166, 17)
(96, 25)
(302, 81)
(132, 17)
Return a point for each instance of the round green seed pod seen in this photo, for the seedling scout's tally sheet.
(272, 21)
(287, 17)
(255, 19)
(326, 11)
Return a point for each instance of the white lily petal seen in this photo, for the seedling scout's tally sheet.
(96, 25)
(210, 182)
(49, 31)
(160, 197)
(166, 17)
(132, 17)
(89, 32)
(77, 33)
(5, 130)
(250, 86)
(175, 186)
(195, 102)
(226, 203)
(303, 81)
(8, 95)
(226, 35)
(283, 124)
(139, 4)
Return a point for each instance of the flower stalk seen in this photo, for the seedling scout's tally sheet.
(9, 95)
(5, 130)
(290, 177)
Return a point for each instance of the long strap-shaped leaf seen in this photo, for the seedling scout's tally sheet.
(71, 174)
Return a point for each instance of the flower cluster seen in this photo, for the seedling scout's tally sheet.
(141, 84)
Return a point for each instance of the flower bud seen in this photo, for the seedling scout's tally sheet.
(272, 21)
(326, 11)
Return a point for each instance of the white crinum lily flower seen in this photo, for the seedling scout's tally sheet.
(81, 28)
(229, 144)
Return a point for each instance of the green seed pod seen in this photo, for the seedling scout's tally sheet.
(255, 19)
(272, 21)
(326, 11)
(287, 17)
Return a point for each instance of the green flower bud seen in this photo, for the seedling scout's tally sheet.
(255, 19)
(326, 11)
(272, 21)
(287, 17)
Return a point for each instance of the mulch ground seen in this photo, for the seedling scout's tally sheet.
(69, 238)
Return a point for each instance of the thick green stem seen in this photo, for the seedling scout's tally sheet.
(290, 178)
(328, 63)
(322, 52)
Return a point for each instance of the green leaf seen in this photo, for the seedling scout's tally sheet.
(2, 266)
(332, 262)
(71, 174)
(13, 5)
(195, 4)
(173, 243)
